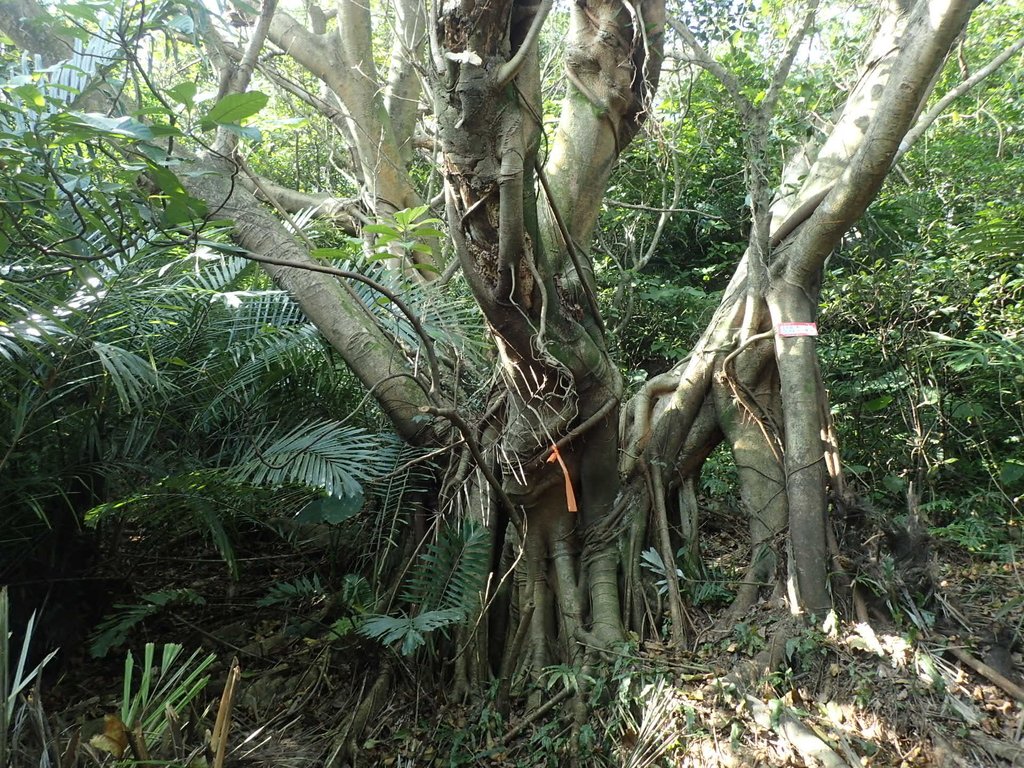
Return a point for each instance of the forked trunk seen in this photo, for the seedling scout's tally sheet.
(521, 227)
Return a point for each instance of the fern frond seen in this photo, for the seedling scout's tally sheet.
(409, 631)
(113, 630)
(290, 591)
(452, 572)
(318, 454)
(132, 376)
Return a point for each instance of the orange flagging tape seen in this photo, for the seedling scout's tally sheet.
(570, 495)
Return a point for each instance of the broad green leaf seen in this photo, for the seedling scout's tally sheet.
(878, 403)
(894, 483)
(1012, 472)
(234, 108)
(409, 215)
(380, 229)
(30, 95)
(331, 509)
(182, 23)
(246, 132)
(117, 126)
(330, 253)
(184, 93)
(163, 131)
(179, 206)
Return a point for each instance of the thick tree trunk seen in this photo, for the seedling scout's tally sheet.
(521, 231)
(777, 281)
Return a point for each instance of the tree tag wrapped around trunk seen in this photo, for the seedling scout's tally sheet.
(798, 329)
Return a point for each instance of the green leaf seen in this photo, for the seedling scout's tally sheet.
(81, 11)
(179, 206)
(184, 93)
(878, 403)
(381, 229)
(246, 132)
(133, 376)
(410, 632)
(317, 454)
(451, 572)
(1011, 473)
(330, 253)
(234, 108)
(332, 509)
(409, 215)
(894, 483)
(182, 23)
(162, 132)
(115, 126)
(30, 95)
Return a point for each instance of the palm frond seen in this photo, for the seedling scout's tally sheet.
(410, 631)
(215, 271)
(452, 572)
(133, 377)
(322, 454)
(450, 319)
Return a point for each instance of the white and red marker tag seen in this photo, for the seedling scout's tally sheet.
(798, 329)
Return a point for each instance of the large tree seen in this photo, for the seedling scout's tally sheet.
(570, 481)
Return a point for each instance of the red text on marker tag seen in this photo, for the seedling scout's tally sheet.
(798, 329)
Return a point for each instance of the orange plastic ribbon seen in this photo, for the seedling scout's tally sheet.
(570, 495)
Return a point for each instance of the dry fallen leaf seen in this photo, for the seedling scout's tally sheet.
(114, 738)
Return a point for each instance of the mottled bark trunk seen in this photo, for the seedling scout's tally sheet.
(521, 229)
(773, 411)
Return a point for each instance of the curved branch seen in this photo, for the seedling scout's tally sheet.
(925, 121)
(344, 213)
(704, 60)
(308, 49)
(508, 71)
(402, 94)
(248, 63)
(238, 81)
(930, 32)
(412, 317)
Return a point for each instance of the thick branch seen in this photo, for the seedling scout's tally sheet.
(342, 212)
(815, 169)
(930, 32)
(27, 24)
(340, 317)
(344, 62)
(310, 50)
(613, 61)
(511, 67)
(924, 122)
(401, 97)
(338, 314)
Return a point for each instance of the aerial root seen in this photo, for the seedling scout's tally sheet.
(811, 747)
(345, 747)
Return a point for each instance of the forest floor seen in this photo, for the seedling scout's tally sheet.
(914, 691)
